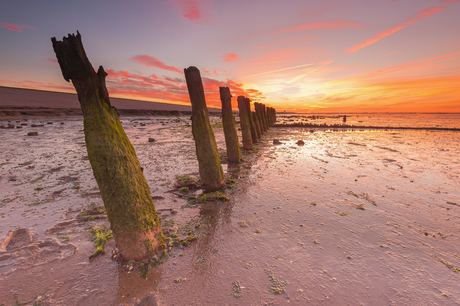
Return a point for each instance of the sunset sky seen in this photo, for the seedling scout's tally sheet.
(295, 55)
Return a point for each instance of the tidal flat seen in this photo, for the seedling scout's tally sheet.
(349, 217)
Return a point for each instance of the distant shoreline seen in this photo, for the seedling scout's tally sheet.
(361, 127)
(31, 102)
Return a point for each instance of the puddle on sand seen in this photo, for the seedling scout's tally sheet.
(349, 217)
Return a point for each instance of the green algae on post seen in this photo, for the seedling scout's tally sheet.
(211, 173)
(124, 190)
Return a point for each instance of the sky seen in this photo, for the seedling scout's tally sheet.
(308, 56)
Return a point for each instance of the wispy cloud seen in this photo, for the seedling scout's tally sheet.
(284, 42)
(15, 27)
(410, 20)
(282, 69)
(230, 57)
(389, 54)
(150, 61)
(319, 25)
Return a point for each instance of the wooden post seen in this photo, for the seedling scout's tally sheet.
(259, 118)
(257, 125)
(251, 121)
(244, 123)
(264, 115)
(228, 121)
(211, 173)
(124, 190)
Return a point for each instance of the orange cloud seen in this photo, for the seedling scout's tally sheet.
(17, 28)
(173, 90)
(150, 61)
(331, 24)
(412, 19)
(230, 57)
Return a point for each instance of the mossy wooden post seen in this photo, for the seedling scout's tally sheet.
(211, 173)
(252, 126)
(256, 125)
(264, 115)
(271, 115)
(124, 190)
(262, 122)
(244, 123)
(228, 121)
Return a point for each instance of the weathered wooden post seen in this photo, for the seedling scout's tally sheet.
(256, 109)
(211, 173)
(252, 126)
(260, 111)
(244, 123)
(256, 124)
(228, 121)
(124, 190)
(264, 115)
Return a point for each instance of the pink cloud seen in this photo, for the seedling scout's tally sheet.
(230, 57)
(14, 27)
(331, 24)
(410, 20)
(150, 61)
(195, 10)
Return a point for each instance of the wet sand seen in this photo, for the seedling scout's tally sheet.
(364, 217)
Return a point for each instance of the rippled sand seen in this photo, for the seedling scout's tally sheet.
(347, 218)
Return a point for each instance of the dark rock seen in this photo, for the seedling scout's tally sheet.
(276, 141)
(32, 134)
(85, 157)
(19, 127)
(158, 197)
(37, 125)
(151, 139)
(49, 122)
(16, 239)
(300, 142)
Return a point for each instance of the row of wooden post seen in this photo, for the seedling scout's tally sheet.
(253, 126)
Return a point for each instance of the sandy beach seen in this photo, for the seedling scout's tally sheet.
(350, 217)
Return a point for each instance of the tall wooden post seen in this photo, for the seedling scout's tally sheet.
(244, 123)
(264, 115)
(228, 121)
(252, 126)
(255, 119)
(211, 173)
(124, 190)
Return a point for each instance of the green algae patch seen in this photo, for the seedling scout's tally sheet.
(276, 286)
(99, 239)
(236, 290)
